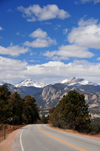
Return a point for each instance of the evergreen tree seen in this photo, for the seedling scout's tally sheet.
(71, 112)
(5, 111)
(16, 104)
(30, 110)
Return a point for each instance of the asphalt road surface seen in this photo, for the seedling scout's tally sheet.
(42, 138)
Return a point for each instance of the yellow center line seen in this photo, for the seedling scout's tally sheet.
(61, 140)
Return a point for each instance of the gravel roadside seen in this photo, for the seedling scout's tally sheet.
(6, 145)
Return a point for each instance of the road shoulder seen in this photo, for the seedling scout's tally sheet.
(6, 145)
(94, 137)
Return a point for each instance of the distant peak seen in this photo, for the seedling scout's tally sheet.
(29, 82)
(74, 78)
(77, 81)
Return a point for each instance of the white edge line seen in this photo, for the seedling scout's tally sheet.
(22, 148)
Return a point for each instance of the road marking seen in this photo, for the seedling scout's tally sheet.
(22, 148)
(76, 147)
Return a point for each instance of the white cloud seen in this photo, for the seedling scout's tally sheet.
(38, 43)
(65, 31)
(13, 64)
(39, 33)
(12, 70)
(1, 28)
(35, 12)
(13, 50)
(88, 22)
(66, 51)
(42, 39)
(81, 40)
(86, 35)
(95, 1)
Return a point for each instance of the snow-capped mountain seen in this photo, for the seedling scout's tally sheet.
(2, 83)
(77, 81)
(29, 82)
(48, 96)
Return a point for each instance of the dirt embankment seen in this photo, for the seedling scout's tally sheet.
(6, 145)
(11, 133)
(5, 129)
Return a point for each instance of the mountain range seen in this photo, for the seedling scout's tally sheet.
(49, 95)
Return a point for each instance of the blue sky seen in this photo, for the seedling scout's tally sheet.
(49, 41)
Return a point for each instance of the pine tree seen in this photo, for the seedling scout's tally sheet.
(5, 111)
(16, 104)
(30, 110)
(72, 112)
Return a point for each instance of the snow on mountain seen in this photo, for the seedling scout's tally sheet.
(64, 81)
(29, 82)
(75, 81)
(2, 83)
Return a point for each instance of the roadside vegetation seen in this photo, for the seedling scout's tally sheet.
(72, 113)
(45, 119)
(95, 126)
(5, 129)
(14, 110)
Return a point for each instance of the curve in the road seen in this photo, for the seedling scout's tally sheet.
(22, 148)
(42, 138)
(76, 147)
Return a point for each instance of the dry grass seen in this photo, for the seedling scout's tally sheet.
(9, 129)
(75, 132)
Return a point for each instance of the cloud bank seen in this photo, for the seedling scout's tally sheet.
(55, 71)
(66, 51)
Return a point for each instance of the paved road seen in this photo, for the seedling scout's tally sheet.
(42, 138)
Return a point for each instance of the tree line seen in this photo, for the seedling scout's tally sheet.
(15, 110)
